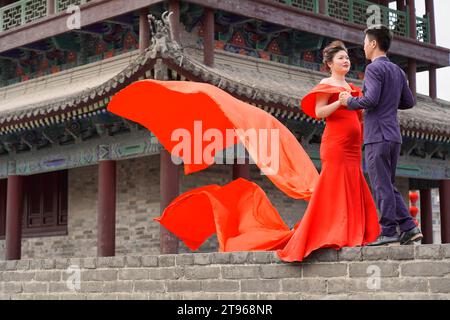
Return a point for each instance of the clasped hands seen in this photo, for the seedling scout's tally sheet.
(343, 97)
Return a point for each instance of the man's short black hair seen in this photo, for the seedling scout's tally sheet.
(381, 34)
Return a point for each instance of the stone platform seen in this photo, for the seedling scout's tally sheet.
(397, 272)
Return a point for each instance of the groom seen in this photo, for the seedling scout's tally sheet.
(385, 91)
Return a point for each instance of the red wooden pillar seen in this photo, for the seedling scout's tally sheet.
(14, 212)
(412, 63)
(429, 7)
(412, 19)
(426, 216)
(241, 170)
(444, 201)
(208, 40)
(412, 73)
(144, 30)
(323, 6)
(169, 188)
(50, 7)
(401, 6)
(106, 216)
(174, 7)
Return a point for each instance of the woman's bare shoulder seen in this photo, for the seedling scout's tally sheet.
(325, 81)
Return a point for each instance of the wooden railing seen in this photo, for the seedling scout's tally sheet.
(24, 11)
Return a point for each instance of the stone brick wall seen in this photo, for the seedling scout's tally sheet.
(397, 272)
(137, 203)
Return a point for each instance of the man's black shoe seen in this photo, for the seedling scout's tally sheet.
(411, 236)
(385, 240)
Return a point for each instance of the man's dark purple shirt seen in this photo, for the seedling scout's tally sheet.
(385, 91)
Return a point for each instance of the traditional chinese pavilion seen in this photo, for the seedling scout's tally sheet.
(77, 181)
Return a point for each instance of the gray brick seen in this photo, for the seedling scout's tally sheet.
(258, 285)
(118, 286)
(428, 251)
(184, 285)
(99, 275)
(350, 254)
(375, 253)
(202, 259)
(48, 276)
(167, 260)
(304, 285)
(23, 265)
(409, 285)
(133, 296)
(133, 261)
(349, 286)
(37, 264)
(276, 271)
(425, 268)
(62, 263)
(49, 264)
(110, 262)
(203, 272)
(440, 285)
(325, 270)
(239, 257)
(261, 257)
(170, 273)
(363, 269)
(323, 255)
(11, 265)
(11, 287)
(2, 265)
(91, 286)
(33, 287)
(58, 287)
(184, 260)
(221, 257)
(220, 285)
(200, 296)
(149, 261)
(401, 252)
(18, 276)
(90, 263)
(133, 274)
(148, 286)
(72, 296)
(445, 248)
(240, 272)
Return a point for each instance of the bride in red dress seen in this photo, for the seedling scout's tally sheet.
(341, 212)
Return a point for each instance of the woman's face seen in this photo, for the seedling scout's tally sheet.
(341, 63)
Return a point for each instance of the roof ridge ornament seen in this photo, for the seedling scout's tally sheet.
(163, 43)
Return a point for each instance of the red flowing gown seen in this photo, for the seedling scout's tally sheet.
(341, 212)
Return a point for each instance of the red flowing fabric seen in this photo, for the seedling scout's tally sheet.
(341, 211)
(165, 106)
(239, 212)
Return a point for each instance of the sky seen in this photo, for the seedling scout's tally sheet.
(441, 12)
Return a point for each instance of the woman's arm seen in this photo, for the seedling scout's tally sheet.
(323, 109)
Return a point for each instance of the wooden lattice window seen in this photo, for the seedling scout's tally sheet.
(45, 205)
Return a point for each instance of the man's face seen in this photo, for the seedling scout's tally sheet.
(368, 47)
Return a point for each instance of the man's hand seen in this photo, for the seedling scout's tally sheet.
(343, 97)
